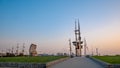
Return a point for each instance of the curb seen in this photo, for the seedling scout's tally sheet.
(30, 65)
(21, 65)
(104, 64)
(49, 64)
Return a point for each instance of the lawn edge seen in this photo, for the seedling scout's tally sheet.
(104, 64)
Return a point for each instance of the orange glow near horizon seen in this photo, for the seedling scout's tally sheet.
(107, 39)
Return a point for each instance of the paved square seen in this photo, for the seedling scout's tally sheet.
(77, 62)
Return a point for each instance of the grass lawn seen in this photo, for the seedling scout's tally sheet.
(38, 59)
(109, 59)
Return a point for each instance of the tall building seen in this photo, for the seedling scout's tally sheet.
(32, 50)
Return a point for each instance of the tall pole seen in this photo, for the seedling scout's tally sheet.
(85, 46)
(17, 48)
(79, 38)
(76, 38)
(9, 50)
(92, 51)
(75, 31)
(12, 49)
(23, 48)
(2, 53)
(97, 51)
(70, 48)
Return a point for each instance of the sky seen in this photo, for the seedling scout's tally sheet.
(50, 24)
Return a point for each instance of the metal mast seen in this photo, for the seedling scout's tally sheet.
(79, 38)
(75, 38)
(75, 31)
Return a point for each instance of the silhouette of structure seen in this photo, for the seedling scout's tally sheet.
(77, 43)
(32, 50)
(17, 51)
(85, 47)
(70, 48)
(97, 54)
(23, 48)
(12, 50)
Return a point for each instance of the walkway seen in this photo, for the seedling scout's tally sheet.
(77, 62)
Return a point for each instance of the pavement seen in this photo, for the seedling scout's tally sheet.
(77, 62)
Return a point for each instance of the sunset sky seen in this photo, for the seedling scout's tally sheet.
(50, 23)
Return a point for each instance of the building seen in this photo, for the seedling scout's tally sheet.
(32, 50)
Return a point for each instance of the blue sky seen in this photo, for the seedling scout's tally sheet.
(48, 21)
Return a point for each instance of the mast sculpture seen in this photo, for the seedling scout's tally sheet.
(77, 43)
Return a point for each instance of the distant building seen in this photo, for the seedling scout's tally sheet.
(59, 54)
(62, 54)
(32, 50)
(43, 55)
(65, 54)
(2, 54)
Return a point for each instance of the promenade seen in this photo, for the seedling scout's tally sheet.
(77, 62)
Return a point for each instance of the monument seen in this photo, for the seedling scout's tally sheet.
(77, 43)
(32, 50)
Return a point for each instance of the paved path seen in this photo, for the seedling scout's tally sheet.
(77, 62)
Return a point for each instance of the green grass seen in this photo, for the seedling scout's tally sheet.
(109, 59)
(40, 59)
